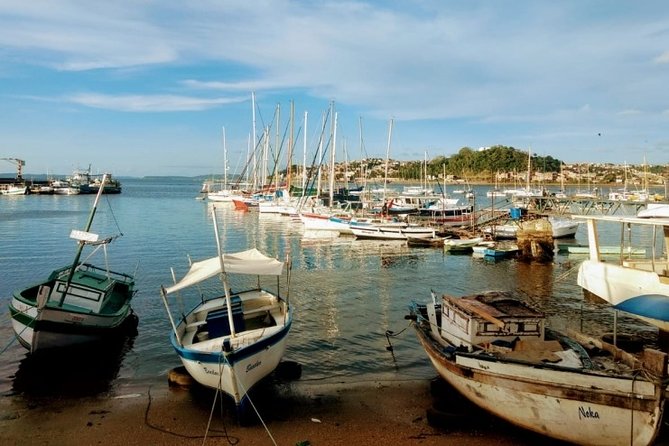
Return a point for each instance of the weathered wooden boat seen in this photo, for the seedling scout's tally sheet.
(501, 251)
(231, 340)
(427, 242)
(496, 351)
(639, 286)
(76, 304)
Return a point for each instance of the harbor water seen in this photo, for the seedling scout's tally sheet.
(349, 296)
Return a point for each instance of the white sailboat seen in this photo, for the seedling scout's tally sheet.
(231, 340)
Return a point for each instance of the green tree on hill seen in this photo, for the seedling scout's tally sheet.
(479, 164)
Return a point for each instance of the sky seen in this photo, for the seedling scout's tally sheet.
(149, 87)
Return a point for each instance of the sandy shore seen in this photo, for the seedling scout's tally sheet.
(299, 413)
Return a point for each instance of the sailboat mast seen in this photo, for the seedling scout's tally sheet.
(289, 167)
(332, 155)
(320, 159)
(385, 177)
(81, 243)
(363, 172)
(304, 154)
(224, 277)
(529, 168)
(225, 162)
(253, 111)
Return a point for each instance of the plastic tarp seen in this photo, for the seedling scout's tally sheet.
(251, 262)
(654, 306)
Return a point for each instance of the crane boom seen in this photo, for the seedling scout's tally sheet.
(19, 166)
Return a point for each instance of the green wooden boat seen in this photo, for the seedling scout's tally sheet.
(76, 304)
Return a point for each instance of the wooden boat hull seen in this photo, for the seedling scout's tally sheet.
(49, 325)
(53, 327)
(583, 408)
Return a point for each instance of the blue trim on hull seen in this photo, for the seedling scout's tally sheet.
(654, 306)
(234, 356)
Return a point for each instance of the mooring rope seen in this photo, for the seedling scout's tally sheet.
(251, 401)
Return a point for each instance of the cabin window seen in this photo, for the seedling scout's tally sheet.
(489, 327)
(529, 326)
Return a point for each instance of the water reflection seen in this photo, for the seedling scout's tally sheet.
(71, 373)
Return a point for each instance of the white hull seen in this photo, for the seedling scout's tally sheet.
(616, 284)
(222, 196)
(456, 244)
(637, 286)
(324, 223)
(14, 190)
(546, 401)
(65, 328)
(391, 233)
(565, 402)
(252, 354)
(217, 374)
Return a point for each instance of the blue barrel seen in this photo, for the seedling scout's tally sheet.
(515, 213)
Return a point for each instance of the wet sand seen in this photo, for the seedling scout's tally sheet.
(299, 413)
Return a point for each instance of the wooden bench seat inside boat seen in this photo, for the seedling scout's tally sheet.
(218, 323)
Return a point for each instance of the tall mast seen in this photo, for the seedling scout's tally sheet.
(225, 162)
(224, 277)
(253, 147)
(529, 167)
(320, 154)
(332, 154)
(304, 153)
(289, 167)
(275, 179)
(385, 178)
(363, 172)
(81, 241)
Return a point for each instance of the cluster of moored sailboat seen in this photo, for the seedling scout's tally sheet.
(494, 348)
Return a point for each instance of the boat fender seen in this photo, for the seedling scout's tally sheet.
(179, 377)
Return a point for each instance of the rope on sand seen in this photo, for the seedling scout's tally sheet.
(231, 440)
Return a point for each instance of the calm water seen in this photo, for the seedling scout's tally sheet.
(346, 293)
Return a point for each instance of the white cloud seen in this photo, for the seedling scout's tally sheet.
(522, 69)
(662, 58)
(156, 103)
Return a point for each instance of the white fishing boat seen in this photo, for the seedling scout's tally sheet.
(391, 233)
(13, 189)
(496, 351)
(560, 228)
(563, 227)
(77, 304)
(63, 187)
(233, 339)
(639, 286)
(461, 244)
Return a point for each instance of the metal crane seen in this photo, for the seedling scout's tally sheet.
(19, 166)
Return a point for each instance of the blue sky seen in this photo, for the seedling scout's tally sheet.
(145, 87)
